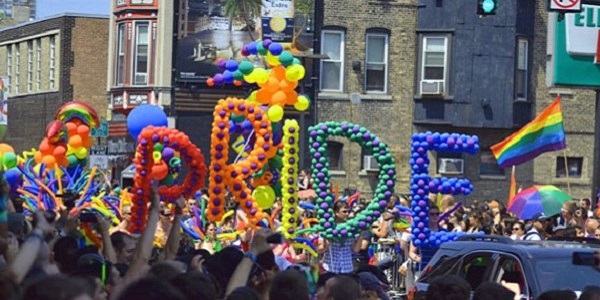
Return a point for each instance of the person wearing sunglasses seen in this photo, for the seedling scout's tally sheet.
(420, 256)
(518, 231)
(337, 258)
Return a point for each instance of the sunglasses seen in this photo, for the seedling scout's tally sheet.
(517, 228)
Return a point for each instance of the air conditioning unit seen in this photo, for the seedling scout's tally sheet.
(432, 87)
(451, 166)
(141, 78)
(370, 163)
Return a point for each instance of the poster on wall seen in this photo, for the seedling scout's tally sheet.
(277, 19)
(210, 30)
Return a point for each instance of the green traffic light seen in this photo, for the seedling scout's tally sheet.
(488, 6)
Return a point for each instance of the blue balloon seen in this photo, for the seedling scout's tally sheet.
(143, 116)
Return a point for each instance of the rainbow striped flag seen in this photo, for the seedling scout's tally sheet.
(544, 134)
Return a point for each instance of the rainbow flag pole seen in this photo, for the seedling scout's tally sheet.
(545, 133)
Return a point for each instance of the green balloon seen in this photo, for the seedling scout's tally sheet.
(286, 58)
(9, 160)
(238, 75)
(158, 147)
(246, 67)
(237, 118)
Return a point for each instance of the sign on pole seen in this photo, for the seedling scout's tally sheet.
(101, 131)
(564, 6)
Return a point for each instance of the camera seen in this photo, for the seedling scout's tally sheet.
(87, 216)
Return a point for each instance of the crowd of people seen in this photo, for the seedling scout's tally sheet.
(45, 255)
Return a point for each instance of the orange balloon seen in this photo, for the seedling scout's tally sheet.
(63, 161)
(87, 142)
(49, 161)
(71, 128)
(59, 151)
(75, 141)
(38, 157)
(279, 98)
(44, 146)
(83, 130)
(160, 171)
(263, 96)
(4, 148)
(278, 72)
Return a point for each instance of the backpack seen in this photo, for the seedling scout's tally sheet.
(532, 233)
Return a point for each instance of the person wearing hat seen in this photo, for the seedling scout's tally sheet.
(534, 234)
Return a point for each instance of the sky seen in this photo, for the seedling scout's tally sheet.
(52, 7)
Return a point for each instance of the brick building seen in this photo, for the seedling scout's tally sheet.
(371, 56)
(49, 62)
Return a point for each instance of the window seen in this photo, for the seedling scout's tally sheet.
(434, 65)
(450, 163)
(335, 156)
(29, 66)
(38, 64)
(52, 62)
(120, 54)
(140, 75)
(521, 79)
(332, 69)
(488, 165)
(17, 67)
(9, 66)
(574, 165)
(368, 163)
(510, 271)
(474, 268)
(376, 64)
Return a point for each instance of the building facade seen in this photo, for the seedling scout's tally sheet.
(19, 9)
(49, 62)
(367, 79)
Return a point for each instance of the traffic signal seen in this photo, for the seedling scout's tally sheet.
(486, 7)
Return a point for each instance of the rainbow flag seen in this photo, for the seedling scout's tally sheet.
(544, 134)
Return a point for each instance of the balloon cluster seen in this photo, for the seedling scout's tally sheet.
(289, 178)
(421, 184)
(12, 175)
(67, 141)
(171, 141)
(277, 85)
(167, 164)
(233, 176)
(320, 174)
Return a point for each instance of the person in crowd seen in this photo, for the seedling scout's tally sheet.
(340, 287)
(492, 291)
(586, 204)
(476, 222)
(518, 230)
(211, 243)
(536, 230)
(337, 254)
(448, 287)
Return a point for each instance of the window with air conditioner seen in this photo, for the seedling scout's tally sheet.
(434, 65)
(451, 166)
(142, 41)
(370, 163)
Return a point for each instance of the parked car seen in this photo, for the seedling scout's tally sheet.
(535, 266)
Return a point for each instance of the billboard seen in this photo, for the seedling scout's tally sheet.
(277, 20)
(205, 33)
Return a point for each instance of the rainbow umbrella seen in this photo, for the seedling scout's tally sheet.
(546, 199)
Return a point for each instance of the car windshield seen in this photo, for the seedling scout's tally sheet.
(561, 273)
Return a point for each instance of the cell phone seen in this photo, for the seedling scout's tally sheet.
(275, 238)
(585, 259)
(87, 217)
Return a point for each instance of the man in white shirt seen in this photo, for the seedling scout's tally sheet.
(535, 233)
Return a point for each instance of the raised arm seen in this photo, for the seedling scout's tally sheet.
(175, 234)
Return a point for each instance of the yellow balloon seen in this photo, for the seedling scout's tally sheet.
(264, 196)
(252, 97)
(81, 153)
(275, 113)
(272, 60)
(302, 104)
(294, 72)
(156, 156)
(250, 78)
(261, 75)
